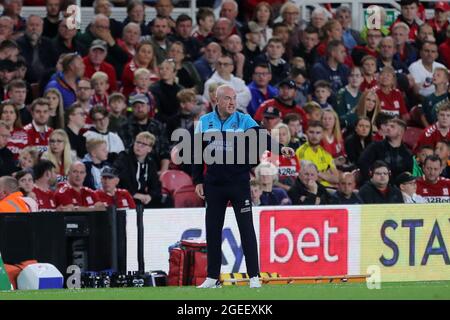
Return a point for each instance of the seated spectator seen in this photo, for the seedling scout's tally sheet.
(26, 182)
(117, 110)
(345, 194)
(95, 161)
(386, 58)
(136, 14)
(421, 153)
(110, 195)
(322, 92)
(256, 192)
(442, 150)
(350, 37)
(7, 162)
(138, 172)
(144, 58)
(159, 39)
(206, 64)
(224, 75)
(381, 126)
(66, 41)
(51, 20)
(347, 97)
(306, 48)
(56, 119)
(439, 130)
(17, 92)
(251, 48)
(284, 102)
(95, 62)
(222, 29)
(425, 33)
(267, 175)
(9, 50)
(186, 73)
(439, 21)
(303, 84)
(406, 182)
(38, 130)
(332, 140)
(406, 51)
(314, 152)
(44, 180)
(11, 199)
(332, 31)
(439, 97)
(409, 16)
(6, 28)
(369, 71)
(84, 94)
(391, 150)
(271, 118)
(130, 39)
(374, 37)
(165, 91)
(273, 57)
(28, 157)
(233, 47)
(378, 189)
(18, 140)
(99, 81)
(319, 17)
(104, 7)
(359, 140)
(189, 110)
(444, 49)
(260, 88)
(142, 82)
(75, 119)
(433, 187)
(368, 106)
(292, 120)
(114, 144)
(183, 31)
(60, 154)
(164, 8)
(307, 190)
(205, 21)
(313, 113)
(73, 196)
(140, 121)
(229, 9)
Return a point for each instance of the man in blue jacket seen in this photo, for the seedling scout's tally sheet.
(228, 180)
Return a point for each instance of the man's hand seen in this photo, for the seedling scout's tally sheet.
(199, 191)
(106, 36)
(287, 152)
(144, 198)
(99, 206)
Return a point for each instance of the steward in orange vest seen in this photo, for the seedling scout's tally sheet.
(11, 199)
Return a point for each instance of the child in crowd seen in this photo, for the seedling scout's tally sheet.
(256, 192)
(95, 161)
(369, 71)
(17, 93)
(142, 81)
(322, 91)
(313, 112)
(442, 150)
(303, 86)
(117, 107)
(100, 83)
(28, 157)
(422, 153)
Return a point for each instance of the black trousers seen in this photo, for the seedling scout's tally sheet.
(217, 198)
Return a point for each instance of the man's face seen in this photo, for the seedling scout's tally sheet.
(78, 67)
(336, 32)
(224, 66)
(137, 14)
(212, 53)
(5, 135)
(103, 7)
(34, 27)
(131, 35)
(76, 176)
(270, 122)
(101, 122)
(387, 48)
(310, 40)
(429, 53)
(14, 7)
(52, 7)
(315, 135)
(409, 12)
(294, 127)
(308, 174)
(400, 36)
(229, 11)
(347, 185)
(234, 44)
(426, 33)
(101, 25)
(286, 93)
(432, 170)
(140, 111)
(84, 91)
(262, 77)
(78, 118)
(442, 150)
(222, 29)
(41, 114)
(226, 101)
(339, 54)
(97, 56)
(18, 95)
(184, 29)
(6, 28)
(291, 15)
(373, 38)
(394, 131)
(345, 19)
(355, 78)
(443, 119)
(64, 32)
(142, 147)
(440, 77)
(164, 8)
(109, 184)
(423, 154)
(160, 29)
(275, 50)
(380, 177)
(282, 32)
(318, 20)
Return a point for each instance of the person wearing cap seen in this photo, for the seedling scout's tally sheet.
(284, 102)
(95, 61)
(439, 22)
(110, 195)
(271, 117)
(260, 87)
(409, 15)
(406, 182)
(140, 121)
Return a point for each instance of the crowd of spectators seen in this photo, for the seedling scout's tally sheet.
(86, 116)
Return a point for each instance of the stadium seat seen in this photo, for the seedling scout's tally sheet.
(411, 136)
(415, 120)
(35, 90)
(172, 180)
(185, 197)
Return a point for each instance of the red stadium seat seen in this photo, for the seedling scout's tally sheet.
(172, 180)
(185, 197)
(411, 136)
(415, 120)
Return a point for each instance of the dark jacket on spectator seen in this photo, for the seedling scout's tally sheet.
(337, 78)
(89, 181)
(166, 99)
(339, 198)
(60, 47)
(7, 163)
(354, 148)
(300, 195)
(279, 72)
(398, 159)
(50, 28)
(204, 69)
(370, 194)
(77, 142)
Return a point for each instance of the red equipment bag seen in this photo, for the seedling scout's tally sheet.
(187, 263)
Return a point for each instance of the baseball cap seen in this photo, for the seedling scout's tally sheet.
(109, 172)
(441, 5)
(271, 112)
(141, 98)
(287, 82)
(254, 27)
(404, 178)
(99, 44)
(8, 65)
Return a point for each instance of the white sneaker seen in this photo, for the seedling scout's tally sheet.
(209, 283)
(254, 282)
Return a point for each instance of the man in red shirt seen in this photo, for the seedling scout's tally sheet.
(73, 196)
(110, 194)
(38, 132)
(431, 186)
(95, 61)
(284, 102)
(409, 15)
(438, 131)
(44, 177)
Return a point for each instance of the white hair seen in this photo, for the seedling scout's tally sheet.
(306, 164)
(222, 88)
(236, 7)
(320, 10)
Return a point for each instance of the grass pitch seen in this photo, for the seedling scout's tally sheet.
(432, 290)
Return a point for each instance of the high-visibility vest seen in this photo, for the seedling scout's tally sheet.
(14, 203)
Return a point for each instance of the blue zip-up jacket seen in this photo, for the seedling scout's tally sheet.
(226, 173)
(258, 98)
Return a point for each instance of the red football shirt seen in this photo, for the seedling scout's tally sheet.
(434, 193)
(284, 110)
(17, 142)
(392, 103)
(335, 148)
(123, 200)
(45, 199)
(431, 136)
(36, 138)
(67, 195)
